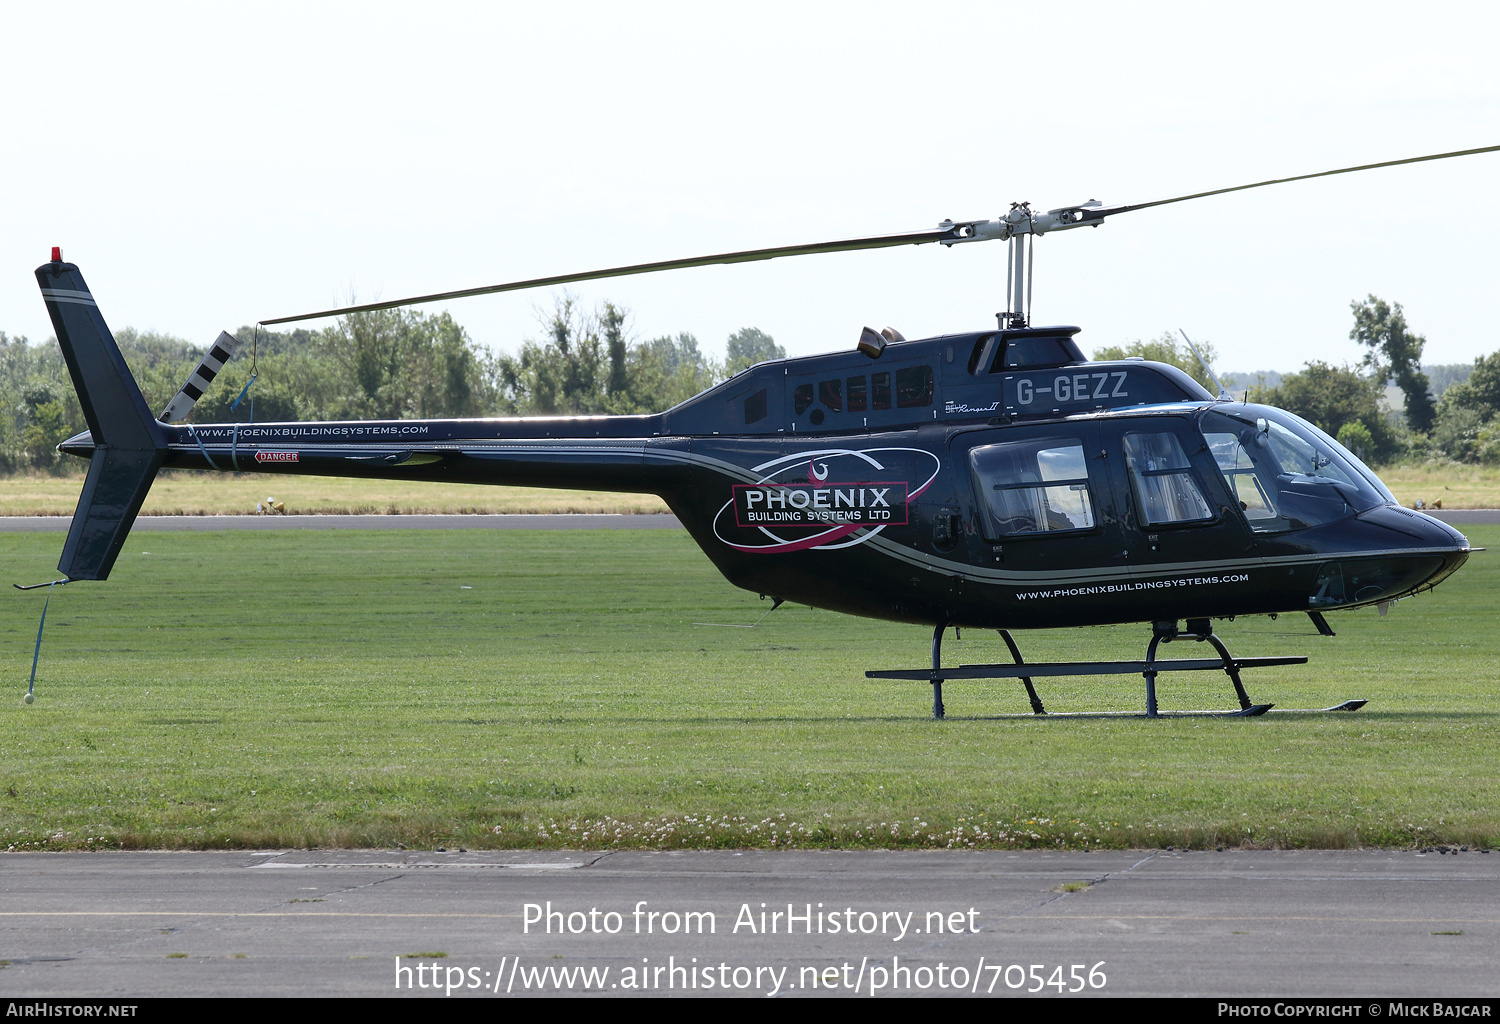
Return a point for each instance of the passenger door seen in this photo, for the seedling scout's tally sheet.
(1043, 500)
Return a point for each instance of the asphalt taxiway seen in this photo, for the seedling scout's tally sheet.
(1233, 924)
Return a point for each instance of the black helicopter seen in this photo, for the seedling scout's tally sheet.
(994, 479)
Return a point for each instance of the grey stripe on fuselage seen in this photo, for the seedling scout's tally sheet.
(640, 448)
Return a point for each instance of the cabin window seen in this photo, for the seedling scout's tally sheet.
(880, 391)
(1030, 487)
(802, 398)
(913, 387)
(982, 354)
(857, 394)
(755, 407)
(1034, 352)
(831, 394)
(1166, 490)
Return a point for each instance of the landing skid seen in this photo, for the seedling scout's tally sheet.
(1254, 711)
(1199, 630)
(1348, 705)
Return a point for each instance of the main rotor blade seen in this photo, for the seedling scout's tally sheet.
(953, 233)
(1303, 177)
(749, 255)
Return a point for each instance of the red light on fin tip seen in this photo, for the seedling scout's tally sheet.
(57, 254)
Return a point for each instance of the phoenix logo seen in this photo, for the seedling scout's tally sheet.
(827, 500)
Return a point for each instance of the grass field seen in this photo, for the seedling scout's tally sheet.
(517, 689)
(188, 493)
(1456, 486)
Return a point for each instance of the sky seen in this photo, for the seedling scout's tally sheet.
(211, 165)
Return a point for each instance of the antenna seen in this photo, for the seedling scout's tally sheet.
(1224, 396)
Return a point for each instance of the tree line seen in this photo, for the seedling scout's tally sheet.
(1457, 421)
(387, 364)
(402, 364)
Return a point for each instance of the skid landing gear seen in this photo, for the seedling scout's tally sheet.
(1198, 630)
(936, 676)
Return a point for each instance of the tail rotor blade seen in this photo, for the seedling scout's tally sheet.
(218, 354)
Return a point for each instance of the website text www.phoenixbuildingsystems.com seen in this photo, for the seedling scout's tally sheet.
(519, 976)
(1090, 589)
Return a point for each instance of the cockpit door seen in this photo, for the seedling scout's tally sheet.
(1176, 509)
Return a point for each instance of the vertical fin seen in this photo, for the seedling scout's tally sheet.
(113, 492)
(129, 445)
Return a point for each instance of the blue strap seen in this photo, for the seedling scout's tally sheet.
(36, 654)
(210, 458)
(236, 403)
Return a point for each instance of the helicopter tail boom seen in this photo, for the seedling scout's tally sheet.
(128, 444)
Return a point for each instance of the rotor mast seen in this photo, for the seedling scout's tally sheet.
(1020, 227)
